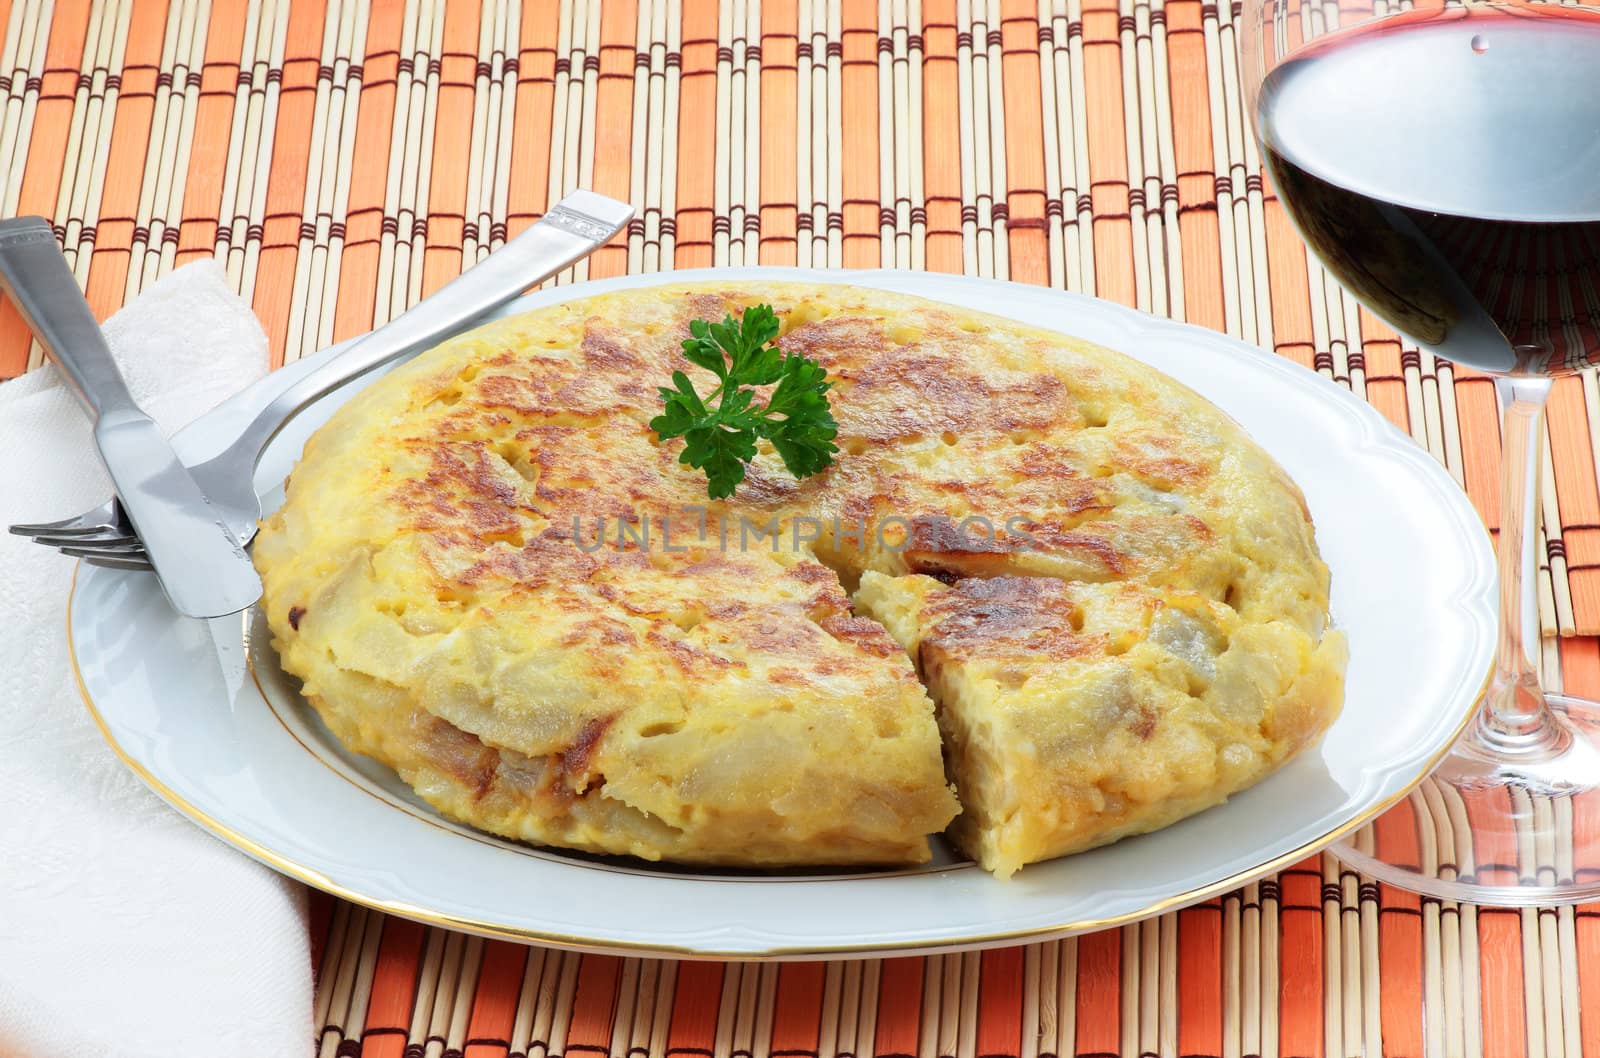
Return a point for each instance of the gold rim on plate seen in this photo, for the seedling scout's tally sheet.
(311, 876)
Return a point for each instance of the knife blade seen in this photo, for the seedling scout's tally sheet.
(202, 568)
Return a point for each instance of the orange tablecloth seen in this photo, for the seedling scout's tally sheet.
(342, 161)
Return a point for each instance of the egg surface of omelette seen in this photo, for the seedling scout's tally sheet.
(490, 575)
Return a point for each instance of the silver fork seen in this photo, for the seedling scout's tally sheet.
(571, 230)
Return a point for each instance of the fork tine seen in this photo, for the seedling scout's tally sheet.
(122, 551)
(108, 562)
(113, 537)
(103, 517)
(69, 527)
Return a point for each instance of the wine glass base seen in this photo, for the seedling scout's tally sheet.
(1496, 831)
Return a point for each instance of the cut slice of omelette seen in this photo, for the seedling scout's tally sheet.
(1076, 713)
(489, 575)
(717, 709)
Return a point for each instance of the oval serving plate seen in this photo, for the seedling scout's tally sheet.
(200, 712)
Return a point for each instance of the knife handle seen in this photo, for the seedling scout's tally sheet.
(35, 276)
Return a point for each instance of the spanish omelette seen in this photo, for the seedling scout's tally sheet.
(490, 575)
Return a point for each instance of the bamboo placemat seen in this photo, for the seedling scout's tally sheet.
(342, 160)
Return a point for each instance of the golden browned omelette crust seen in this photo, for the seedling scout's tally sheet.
(491, 577)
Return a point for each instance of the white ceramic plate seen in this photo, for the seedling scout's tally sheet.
(1413, 580)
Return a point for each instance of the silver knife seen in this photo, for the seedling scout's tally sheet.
(203, 570)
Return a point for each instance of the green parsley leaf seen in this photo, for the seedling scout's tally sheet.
(721, 440)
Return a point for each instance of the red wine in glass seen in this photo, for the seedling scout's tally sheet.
(1446, 169)
(1443, 162)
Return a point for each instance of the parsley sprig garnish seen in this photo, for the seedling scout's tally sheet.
(721, 438)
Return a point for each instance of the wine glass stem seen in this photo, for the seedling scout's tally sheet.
(1514, 720)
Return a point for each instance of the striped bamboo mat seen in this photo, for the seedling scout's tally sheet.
(343, 159)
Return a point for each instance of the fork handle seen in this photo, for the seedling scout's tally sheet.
(569, 231)
(35, 276)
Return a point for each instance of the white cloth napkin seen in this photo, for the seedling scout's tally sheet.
(124, 928)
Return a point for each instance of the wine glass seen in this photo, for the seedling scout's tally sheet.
(1442, 163)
